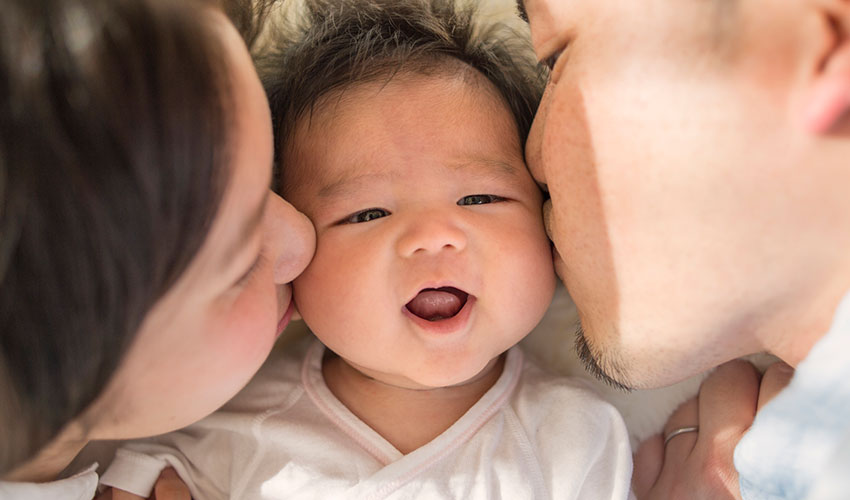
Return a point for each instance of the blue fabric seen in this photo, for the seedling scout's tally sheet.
(796, 438)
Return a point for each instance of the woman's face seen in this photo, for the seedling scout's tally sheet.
(210, 333)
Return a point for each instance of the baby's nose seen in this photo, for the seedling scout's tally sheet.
(431, 235)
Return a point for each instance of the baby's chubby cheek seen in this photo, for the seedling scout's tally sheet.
(323, 293)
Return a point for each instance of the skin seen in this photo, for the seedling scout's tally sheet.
(695, 153)
(211, 332)
(416, 148)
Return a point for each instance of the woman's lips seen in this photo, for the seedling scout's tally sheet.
(284, 320)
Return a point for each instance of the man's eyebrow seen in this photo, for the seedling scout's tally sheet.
(246, 230)
(520, 5)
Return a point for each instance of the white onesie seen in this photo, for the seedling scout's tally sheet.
(532, 435)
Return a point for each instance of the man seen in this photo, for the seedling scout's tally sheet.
(697, 154)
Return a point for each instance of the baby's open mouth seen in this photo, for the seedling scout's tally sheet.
(435, 304)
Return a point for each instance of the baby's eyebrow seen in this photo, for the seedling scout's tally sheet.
(345, 184)
(487, 167)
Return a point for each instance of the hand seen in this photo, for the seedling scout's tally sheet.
(698, 465)
(169, 486)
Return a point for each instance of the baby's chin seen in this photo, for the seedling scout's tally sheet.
(446, 377)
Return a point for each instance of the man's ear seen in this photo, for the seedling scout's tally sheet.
(828, 99)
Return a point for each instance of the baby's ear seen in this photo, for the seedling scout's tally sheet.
(828, 99)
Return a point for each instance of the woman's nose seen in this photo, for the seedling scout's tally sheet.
(431, 234)
(291, 239)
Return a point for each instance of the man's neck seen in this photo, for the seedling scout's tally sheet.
(790, 335)
(406, 418)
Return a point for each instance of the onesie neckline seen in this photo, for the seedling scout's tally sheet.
(375, 444)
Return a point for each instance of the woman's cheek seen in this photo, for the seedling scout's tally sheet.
(251, 325)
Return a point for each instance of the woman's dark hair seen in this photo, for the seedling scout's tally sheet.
(249, 16)
(113, 124)
(332, 45)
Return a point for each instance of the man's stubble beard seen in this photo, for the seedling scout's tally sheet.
(605, 368)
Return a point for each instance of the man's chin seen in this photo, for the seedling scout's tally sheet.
(602, 366)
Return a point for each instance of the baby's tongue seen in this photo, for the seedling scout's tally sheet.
(435, 305)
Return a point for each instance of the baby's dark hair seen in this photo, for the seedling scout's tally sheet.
(337, 44)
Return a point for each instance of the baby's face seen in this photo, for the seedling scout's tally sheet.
(431, 257)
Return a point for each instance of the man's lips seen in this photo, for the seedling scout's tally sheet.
(547, 218)
(558, 263)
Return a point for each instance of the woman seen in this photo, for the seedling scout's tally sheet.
(144, 261)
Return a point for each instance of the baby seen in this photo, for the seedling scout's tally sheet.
(400, 131)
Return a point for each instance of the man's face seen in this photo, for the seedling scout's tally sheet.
(678, 205)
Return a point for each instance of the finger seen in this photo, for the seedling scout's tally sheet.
(685, 415)
(123, 495)
(775, 378)
(727, 405)
(679, 447)
(169, 486)
(647, 468)
(727, 401)
(105, 495)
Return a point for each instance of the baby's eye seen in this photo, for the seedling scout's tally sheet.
(366, 216)
(479, 199)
